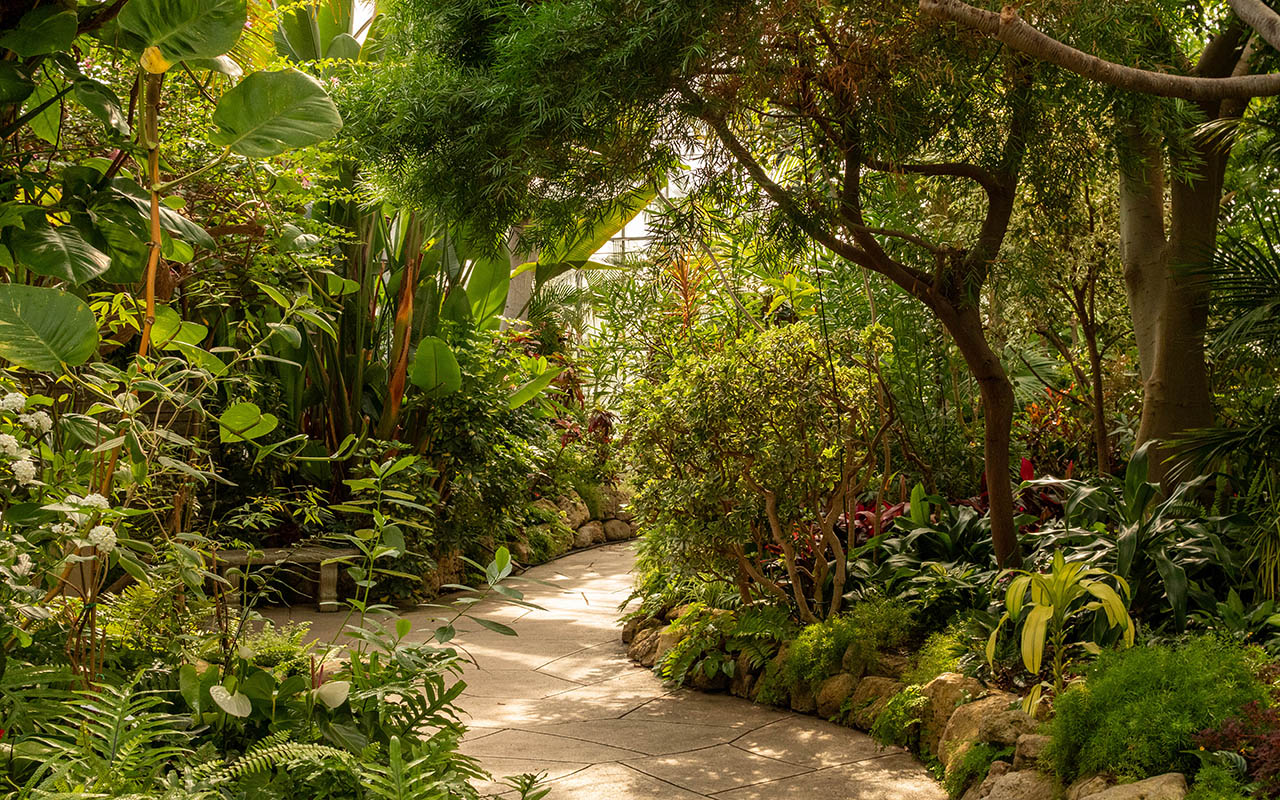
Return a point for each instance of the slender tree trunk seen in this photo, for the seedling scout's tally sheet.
(965, 327)
(520, 292)
(1101, 439)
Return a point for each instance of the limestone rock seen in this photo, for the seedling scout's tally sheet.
(963, 729)
(615, 530)
(743, 678)
(634, 626)
(1088, 785)
(667, 639)
(833, 692)
(856, 660)
(981, 789)
(1030, 747)
(1025, 785)
(520, 552)
(548, 506)
(889, 665)
(644, 647)
(615, 504)
(803, 700)
(700, 681)
(676, 613)
(1006, 726)
(1170, 786)
(869, 699)
(944, 693)
(575, 511)
(589, 534)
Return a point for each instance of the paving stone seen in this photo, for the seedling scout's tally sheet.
(811, 742)
(650, 737)
(685, 706)
(894, 777)
(546, 747)
(616, 782)
(715, 769)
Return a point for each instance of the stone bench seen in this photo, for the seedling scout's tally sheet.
(326, 587)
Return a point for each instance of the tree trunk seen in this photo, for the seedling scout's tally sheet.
(520, 292)
(1169, 304)
(965, 327)
(1101, 440)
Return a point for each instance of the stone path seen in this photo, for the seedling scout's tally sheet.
(562, 698)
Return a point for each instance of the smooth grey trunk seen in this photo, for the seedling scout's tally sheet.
(520, 293)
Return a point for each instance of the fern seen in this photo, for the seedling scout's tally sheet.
(402, 779)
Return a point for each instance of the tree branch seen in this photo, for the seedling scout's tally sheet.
(956, 170)
(1008, 28)
(1259, 16)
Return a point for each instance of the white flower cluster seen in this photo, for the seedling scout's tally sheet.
(94, 501)
(9, 446)
(23, 471)
(64, 529)
(38, 422)
(103, 538)
(13, 403)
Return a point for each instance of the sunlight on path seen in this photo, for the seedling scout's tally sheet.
(562, 698)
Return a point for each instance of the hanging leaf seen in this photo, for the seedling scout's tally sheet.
(343, 47)
(43, 30)
(532, 389)
(241, 422)
(573, 251)
(15, 83)
(270, 112)
(45, 329)
(183, 29)
(48, 122)
(435, 369)
(457, 306)
(59, 252)
(102, 103)
(235, 704)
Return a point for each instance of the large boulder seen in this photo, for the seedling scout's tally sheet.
(1170, 786)
(833, 692)
(870, 698)
(615, 530)
(944, 694)
(962, 730)
(589, 534)
(635, 625)
(1006, 726)
(574, 509)
(1029, 750)
(1025, 785)
(888, 665)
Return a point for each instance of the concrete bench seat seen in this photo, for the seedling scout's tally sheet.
(326, 587)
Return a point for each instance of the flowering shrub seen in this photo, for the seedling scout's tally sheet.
(1255, 734)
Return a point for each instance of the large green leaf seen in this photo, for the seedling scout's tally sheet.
(268, 113)
(487, 287)
(435, 369)
(241, 422)
(103, 103)
(59, 252)
(16, 84)
(45, 329)
(184, 29)
(532, 388)
(43, 30)
(573, 251)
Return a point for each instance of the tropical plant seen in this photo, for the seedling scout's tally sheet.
(1071, 592)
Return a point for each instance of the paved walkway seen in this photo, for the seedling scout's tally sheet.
(562, 698)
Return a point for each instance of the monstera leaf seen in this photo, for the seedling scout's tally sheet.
(435, 369)
(268, 113)
(185, 29)
(45, 329)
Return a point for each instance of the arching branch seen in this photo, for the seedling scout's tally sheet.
(1011, 30)
(1259, 16)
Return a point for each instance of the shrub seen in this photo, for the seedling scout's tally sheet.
(1255, 734)
(940, 653)
(972, 767)
(867, 627)
(1216, 782)
(1139, 710)
(898, 723)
